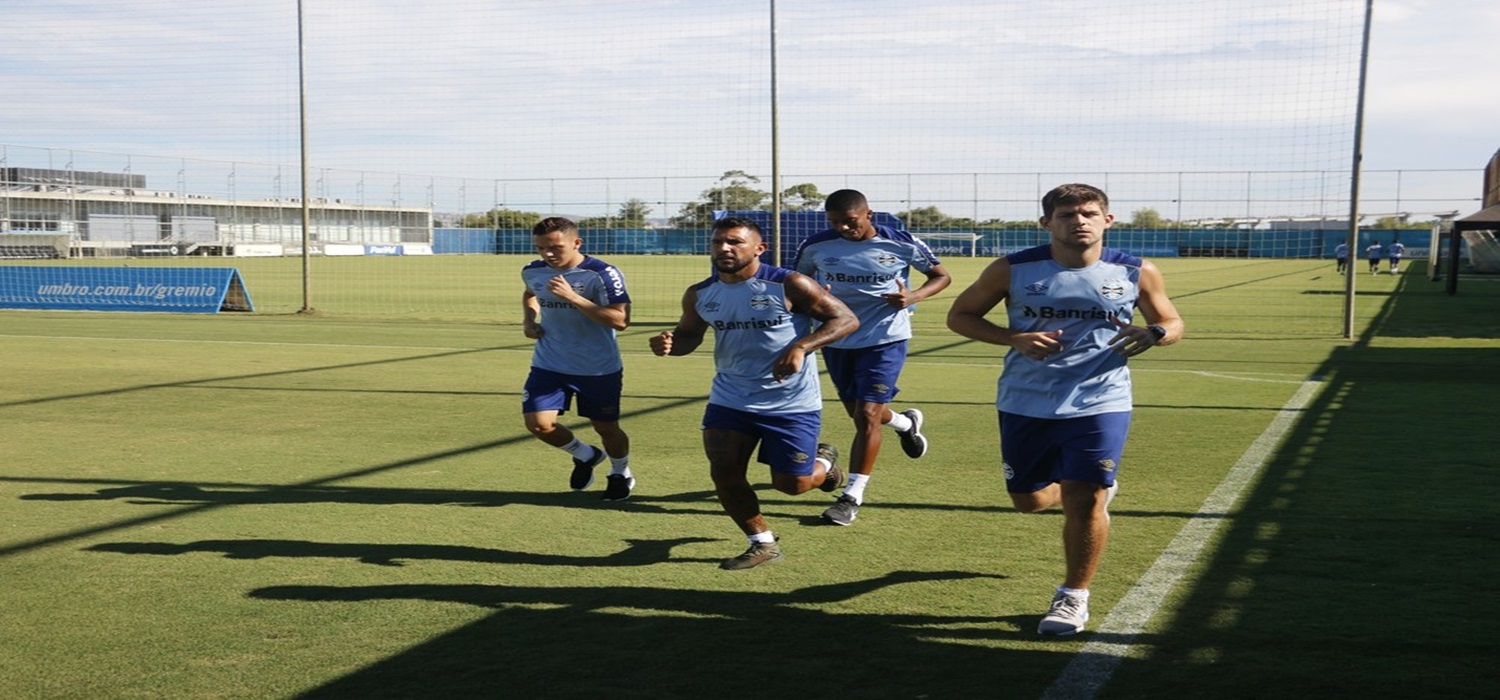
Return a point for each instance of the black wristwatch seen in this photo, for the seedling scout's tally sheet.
(1157, 331)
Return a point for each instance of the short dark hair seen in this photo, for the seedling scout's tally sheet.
(553, 223)
(1073, 193)
(733, 222)
(845, 200)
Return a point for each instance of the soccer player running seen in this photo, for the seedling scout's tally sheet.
(1064, 395)
(573, 306)
(865, 265)
(1341, 257)
(765, 388)
(1393, 253)
(1373, 252)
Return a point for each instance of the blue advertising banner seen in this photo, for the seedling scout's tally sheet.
(196, 290)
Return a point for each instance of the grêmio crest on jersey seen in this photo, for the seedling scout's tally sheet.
(1112, 289)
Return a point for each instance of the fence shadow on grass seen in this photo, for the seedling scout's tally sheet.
(635, 553)
(666, 642)
(204, 494)
(247, 376)
(197, 499)
(1362, 564)
(185, 493)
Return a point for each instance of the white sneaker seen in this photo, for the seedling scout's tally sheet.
(1066, 616)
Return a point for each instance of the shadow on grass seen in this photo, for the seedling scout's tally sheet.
(636, 552)
(194, 494)
(198, 499)
(1362, 564)
(666, 642)
(240, 377)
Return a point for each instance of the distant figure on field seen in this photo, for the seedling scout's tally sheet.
(1393, 253)
(765, 392)
(1064, 394)
(1341, 257)
(573, 306)
(1373, 252)
(865, 265)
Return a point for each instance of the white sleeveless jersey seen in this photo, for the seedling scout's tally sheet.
(753, 325)
(1087, 377)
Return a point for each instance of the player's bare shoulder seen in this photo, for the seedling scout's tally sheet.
(994, 280)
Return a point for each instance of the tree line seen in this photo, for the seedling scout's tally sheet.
(738, 190)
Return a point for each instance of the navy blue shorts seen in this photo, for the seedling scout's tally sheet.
(866, 374)
(598, 397)
(1037, 452)
(788, 441)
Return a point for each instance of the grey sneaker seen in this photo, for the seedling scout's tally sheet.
(758, 553)
(842, 512)
(1067, 615)
(617, 487)
(913, 442)
(835, 476)
(583, 470)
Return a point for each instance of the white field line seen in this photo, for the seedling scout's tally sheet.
(187, 341)
(1225, 375)
(1275, 377)
(354, 346)
(1087, 673)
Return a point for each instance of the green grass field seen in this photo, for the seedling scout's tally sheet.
(1225, 296)
(345, 504)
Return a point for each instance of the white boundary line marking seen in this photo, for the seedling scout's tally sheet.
(202, 341)
(1087, 673)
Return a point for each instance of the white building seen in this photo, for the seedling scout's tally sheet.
(116, 214)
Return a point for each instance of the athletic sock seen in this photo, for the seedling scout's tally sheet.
(763, 538)
(899, 422)
(1074, 592)
(620, 465)
(579, 449)
(856, 488)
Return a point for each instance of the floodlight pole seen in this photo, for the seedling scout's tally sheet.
(1351, 238)
(775, 150)
(302, 148)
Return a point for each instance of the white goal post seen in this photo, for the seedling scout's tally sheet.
(961, 243)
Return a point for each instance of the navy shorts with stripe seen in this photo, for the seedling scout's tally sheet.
(1037, 452)
(788, 441)
(598, 397)
(866, 374)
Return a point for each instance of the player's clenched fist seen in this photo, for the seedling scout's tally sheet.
(661, 343)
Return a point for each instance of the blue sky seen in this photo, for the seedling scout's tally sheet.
(640, 89)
